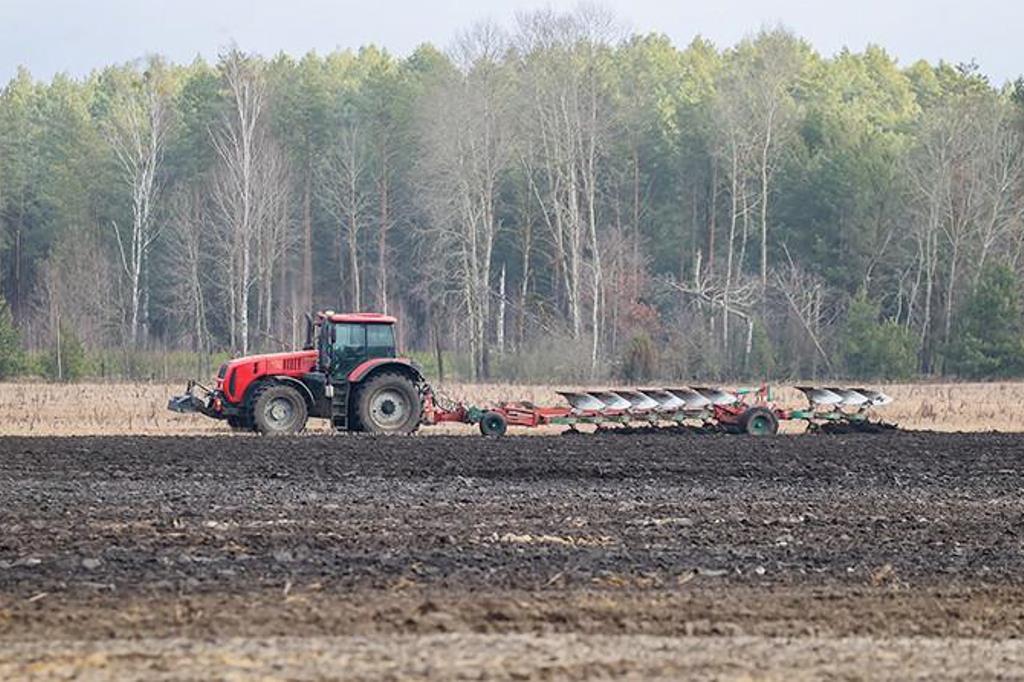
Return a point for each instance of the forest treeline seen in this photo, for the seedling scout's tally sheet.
(554, 200)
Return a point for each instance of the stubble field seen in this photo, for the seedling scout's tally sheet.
(42, 409)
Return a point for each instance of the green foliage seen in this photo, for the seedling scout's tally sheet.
(989, 340)
(858, 144)
(874, 349)
(1017, 93)
(67, 360)
(12, 359)
(761, 363)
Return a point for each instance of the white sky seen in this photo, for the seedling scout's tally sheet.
(76, 36)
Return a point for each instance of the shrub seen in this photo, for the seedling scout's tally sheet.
(875, 349)
(989, 341)
(66, 361)
(640, 361)
(12, 359)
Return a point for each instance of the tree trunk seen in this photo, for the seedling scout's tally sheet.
(382, 239)
(734, 207)
(307, 240)
(712, 219)
(764, 207)
(500, 333)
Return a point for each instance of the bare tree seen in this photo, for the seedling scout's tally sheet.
(738, 301)
(247, 189)
(79, 288)
(568, 115)
(468, 142)
(136, 130)
(966, 173)
(386, 132)
(1001, 158)
(275, 233)
(759, 94)
(734, 150)
(343, 187)
(187, 257)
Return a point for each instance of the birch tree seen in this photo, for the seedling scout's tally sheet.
(966, 173)
(734, 149)
(241, 142)
(136, 130)
(468, 148)
(274, 230)
(766, 72)
(565, 87)
(188, 257)
(345, 192)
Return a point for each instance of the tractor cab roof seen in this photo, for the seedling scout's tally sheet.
(358, 318)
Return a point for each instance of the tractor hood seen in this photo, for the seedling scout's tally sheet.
(304, 359)
(236, 375)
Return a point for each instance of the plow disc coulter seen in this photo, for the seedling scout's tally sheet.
(701, 409)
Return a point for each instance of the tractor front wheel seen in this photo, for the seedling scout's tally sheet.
(389, 403)
(279, 409)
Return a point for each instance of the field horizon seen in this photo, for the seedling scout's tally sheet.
(138, 408)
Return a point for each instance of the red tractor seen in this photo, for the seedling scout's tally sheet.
(348, 372)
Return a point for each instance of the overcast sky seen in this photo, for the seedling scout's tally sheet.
(76, 36)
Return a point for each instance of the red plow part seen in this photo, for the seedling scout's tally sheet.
(749, 410)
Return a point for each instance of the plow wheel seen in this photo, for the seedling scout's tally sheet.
(493, 424)
(760, 421)
(279, 409)
(389, 403)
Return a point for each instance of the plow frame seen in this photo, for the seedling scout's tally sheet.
(731, 417)
(525, 414)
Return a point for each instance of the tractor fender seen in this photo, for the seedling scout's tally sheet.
(302, 388)
(369, 367)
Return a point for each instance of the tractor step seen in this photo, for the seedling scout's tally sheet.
(339, 407)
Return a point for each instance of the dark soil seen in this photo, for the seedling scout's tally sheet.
(890, 534)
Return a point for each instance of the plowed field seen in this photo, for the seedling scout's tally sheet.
(564, 557)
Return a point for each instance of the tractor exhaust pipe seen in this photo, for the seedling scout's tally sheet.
(308, 345)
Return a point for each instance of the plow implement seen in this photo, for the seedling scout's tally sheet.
(700, 409)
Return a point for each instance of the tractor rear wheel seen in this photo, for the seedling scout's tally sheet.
(389, 403)
(279, 409)
(760, 421)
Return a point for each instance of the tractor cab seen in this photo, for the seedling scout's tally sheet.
(346, 341)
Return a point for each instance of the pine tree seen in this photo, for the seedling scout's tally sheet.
(989, 341)
(12, 359)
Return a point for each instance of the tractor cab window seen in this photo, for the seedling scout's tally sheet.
(349, 347)
(380, 341)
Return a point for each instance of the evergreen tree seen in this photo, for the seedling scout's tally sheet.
(875, 349)
(989, 340)
(12, 359)
(66, 360)
(759, 184)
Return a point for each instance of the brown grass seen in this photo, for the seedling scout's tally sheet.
(124, 408)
